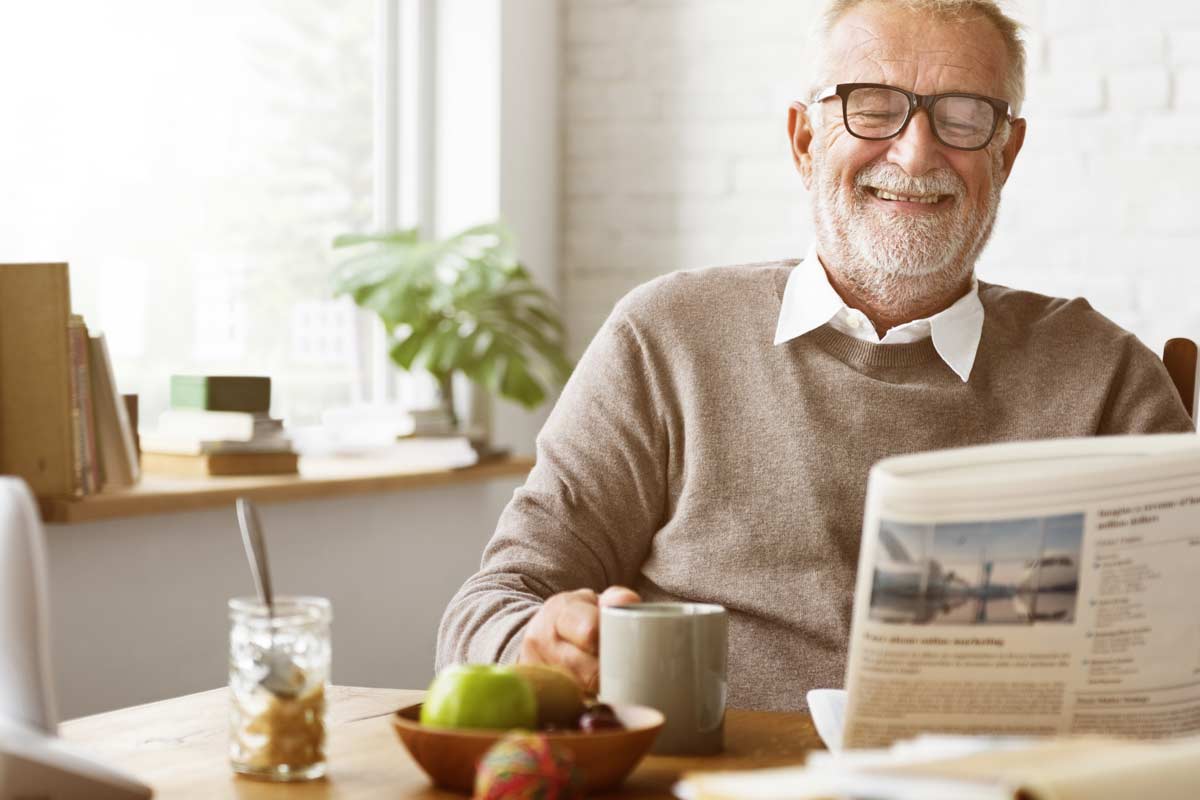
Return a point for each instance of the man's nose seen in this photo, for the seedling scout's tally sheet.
(916, 150)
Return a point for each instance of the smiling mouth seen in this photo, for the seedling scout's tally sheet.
(923, 199)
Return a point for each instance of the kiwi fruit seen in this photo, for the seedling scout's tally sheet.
(559, 696)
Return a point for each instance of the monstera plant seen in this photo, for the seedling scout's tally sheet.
(461, 304)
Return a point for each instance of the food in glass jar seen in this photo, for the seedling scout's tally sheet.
(281, 734)
(277, 727)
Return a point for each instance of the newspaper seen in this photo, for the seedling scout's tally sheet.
(1029, 589)
(1026, 627)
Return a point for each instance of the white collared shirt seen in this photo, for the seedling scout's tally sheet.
(809, 301)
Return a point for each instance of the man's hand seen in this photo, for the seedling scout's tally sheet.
(565, 632)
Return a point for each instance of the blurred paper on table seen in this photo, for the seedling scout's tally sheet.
(973, 768)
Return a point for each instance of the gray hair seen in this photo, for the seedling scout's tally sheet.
(952, 10)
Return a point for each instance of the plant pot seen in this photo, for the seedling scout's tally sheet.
(470, 408)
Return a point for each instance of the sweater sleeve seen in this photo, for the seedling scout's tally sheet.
(1142, 398)
(588, 511)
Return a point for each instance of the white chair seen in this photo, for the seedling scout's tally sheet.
(33, 761)
(26, 692)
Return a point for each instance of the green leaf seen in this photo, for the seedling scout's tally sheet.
(547, 318)
(405, 351)
(520, 386)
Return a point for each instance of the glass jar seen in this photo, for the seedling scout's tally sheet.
(277, 724)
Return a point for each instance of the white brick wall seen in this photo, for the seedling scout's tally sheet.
(676, 152)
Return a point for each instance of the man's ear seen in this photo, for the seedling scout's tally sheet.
(1012, 147)
(800, 133)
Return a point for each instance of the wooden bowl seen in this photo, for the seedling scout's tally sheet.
(449, 755)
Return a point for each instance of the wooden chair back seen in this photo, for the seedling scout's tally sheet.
(1179, 356)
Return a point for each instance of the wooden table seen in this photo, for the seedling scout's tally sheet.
(180, 746)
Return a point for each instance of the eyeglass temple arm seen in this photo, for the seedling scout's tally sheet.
(824, 94)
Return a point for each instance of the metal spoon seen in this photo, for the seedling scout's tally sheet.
(282, 677)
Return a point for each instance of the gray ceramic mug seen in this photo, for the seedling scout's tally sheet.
(670, 656)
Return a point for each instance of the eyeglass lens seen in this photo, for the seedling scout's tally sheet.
(875, 113)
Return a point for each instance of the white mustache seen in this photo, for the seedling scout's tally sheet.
(892, 179)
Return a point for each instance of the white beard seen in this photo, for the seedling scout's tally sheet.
(897, 262)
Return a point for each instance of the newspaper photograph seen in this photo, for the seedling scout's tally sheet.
(993, 572)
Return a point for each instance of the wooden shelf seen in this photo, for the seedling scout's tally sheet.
(318, 478)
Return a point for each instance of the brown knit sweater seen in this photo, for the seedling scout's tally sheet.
(692, 459)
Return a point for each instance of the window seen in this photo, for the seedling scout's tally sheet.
(192, 161)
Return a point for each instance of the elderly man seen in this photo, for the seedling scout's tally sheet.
(714, 442)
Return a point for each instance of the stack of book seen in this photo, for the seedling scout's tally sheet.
(219, 425)
(434, 421)
(63, 424)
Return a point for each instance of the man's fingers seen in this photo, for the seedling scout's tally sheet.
(578, 623)
(582, 665)
(619, 596)
(538, 633)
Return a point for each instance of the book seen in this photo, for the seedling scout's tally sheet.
(431, 422)
(237, 426)
(132, 411)
(83, 420)
(385, 423)
(218, 464)
(158, 442)
(251, 394)
(36, 438)
(370, 443)
(114, 436)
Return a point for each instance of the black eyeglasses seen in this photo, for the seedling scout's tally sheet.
(877, 111)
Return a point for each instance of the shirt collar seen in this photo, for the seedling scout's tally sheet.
(809, 301)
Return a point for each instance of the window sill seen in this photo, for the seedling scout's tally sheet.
(319, 478)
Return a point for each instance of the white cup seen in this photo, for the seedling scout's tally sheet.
(673, 657)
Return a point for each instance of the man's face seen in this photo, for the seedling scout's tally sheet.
(884, 245)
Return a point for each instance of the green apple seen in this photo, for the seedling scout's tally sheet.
(480, 696)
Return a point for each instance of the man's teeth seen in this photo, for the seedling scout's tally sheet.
(928, 199)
